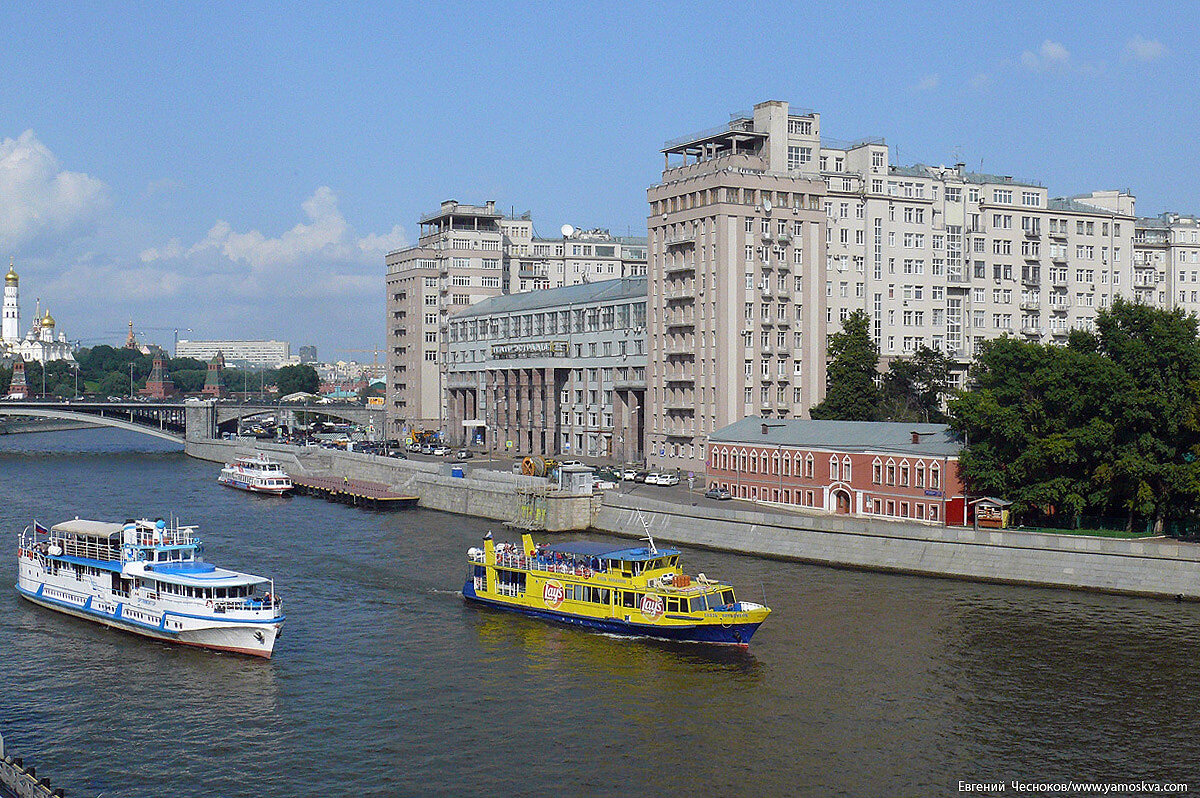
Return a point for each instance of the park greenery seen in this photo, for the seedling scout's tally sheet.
(1107, 426)
(104, 371)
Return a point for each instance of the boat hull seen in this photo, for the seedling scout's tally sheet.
(731, 634)
(256, 639)
(252, 488)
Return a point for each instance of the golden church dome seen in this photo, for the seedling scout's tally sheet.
(11, 277)
(48, 321)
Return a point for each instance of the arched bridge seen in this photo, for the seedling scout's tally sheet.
(180, 421)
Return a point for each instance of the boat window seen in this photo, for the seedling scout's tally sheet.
(629, 599)
(698, 604)
(673, 561)
(713, 600)
(672, 605)
(727, 596)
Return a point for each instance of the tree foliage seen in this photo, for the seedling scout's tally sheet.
(291, 379)
(913, 387)
(851, 393)
(1106, 425)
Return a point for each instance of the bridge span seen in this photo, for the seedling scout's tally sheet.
(184, 421)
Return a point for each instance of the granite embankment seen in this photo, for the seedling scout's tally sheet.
(495, 495)
(1153, 567)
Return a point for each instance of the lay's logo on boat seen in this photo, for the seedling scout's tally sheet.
(652, 606)
(553, 594)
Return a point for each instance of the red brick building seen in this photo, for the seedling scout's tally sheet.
(891, 469)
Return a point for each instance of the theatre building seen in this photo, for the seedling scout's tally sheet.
(892, 469)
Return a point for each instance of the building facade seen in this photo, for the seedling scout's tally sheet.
(737, 282)
(895, 470)
(466, 254)
(553, 372)
(260, 354)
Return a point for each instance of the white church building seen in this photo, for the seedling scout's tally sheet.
(40, 342)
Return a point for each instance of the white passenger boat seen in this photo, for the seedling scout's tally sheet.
(257, 474)
(148, 578)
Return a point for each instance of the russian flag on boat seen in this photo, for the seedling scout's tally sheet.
(39, 529)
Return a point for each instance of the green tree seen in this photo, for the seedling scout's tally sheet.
(851, 393)
(1107, 425)
(913, 387)
(291, 379)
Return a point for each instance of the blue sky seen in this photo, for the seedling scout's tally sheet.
(240, 168)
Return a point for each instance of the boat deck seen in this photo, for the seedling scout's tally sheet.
(357, 492)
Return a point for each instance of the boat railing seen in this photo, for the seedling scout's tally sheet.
(256, 604)
(87, 548)
(522, 562)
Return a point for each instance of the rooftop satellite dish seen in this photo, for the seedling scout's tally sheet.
(567, 230)
(766, 206)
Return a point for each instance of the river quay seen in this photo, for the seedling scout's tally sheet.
(1149, 567)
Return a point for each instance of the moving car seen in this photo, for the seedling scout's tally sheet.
(718, 493)
(464, 454)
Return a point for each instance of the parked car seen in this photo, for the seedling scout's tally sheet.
(440, 451)
(667, 479)
(464, 454)
(399, 453)
(603, 484)
(427, 449)
(718, 493)
(629, 474)
(642, 476)
(652, 478)
(570, 463)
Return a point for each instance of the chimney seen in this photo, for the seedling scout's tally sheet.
(491, 206)
(916, 437)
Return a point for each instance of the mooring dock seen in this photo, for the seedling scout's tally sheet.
(356, 492)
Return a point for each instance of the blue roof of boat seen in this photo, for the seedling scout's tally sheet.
(608, 551)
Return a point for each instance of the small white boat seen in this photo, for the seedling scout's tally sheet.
(257, 474)
(148, 578)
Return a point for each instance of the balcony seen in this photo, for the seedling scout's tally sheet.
(1062, 333)
(1032, 332)
(957, 277)
(684, 377)
(1058, 282)
(783, 266)
(766, 291)
(1058, 258)
(1035, 233)
(532, 274)
(629, 385)
(1062, 307)
(681, 240)
(1030, 305)
(677, 267)
(1061, 236)
(1032, 258)
(767, 349)
(1032, 282)
(783, 238)
(679, 293)
(681, 321)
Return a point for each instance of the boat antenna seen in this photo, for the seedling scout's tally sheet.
(649, 538)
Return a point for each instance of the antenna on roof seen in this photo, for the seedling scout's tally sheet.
(649, 538)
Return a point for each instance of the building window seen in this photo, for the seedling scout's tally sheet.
(877, 472)
(833, 469)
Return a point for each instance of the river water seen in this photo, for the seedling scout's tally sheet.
(385, 684)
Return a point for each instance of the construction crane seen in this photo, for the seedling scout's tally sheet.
(375, 351)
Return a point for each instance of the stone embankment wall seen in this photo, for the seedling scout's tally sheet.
(494, 495)
(1156, 567)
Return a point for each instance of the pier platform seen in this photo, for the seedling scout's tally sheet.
(356, 492)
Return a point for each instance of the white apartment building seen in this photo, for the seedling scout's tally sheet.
(237, 352)
(736, 276)
(535, 263)
(1167, 261)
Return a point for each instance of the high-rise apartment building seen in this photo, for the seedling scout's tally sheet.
(458, 261)
(465, 254)
(736, 276)
(1166, 251)
(768, 235)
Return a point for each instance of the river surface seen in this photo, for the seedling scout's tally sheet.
(385, 684)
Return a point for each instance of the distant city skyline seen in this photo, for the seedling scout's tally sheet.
(242, 173)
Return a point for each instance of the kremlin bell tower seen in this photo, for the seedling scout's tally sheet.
(10, 324)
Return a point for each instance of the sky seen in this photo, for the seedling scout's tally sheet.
(239, 170)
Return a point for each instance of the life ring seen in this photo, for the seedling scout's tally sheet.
(587, 574)
(208, 604)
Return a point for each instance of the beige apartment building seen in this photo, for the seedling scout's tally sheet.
(457, 262)
(1167, 261)
(464, 255)
(937, 256)
(736, 281)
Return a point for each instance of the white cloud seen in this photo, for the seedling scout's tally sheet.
(1142, 49)
(1051, 55)
(321, 256)
(927, 83)
(39, 199)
